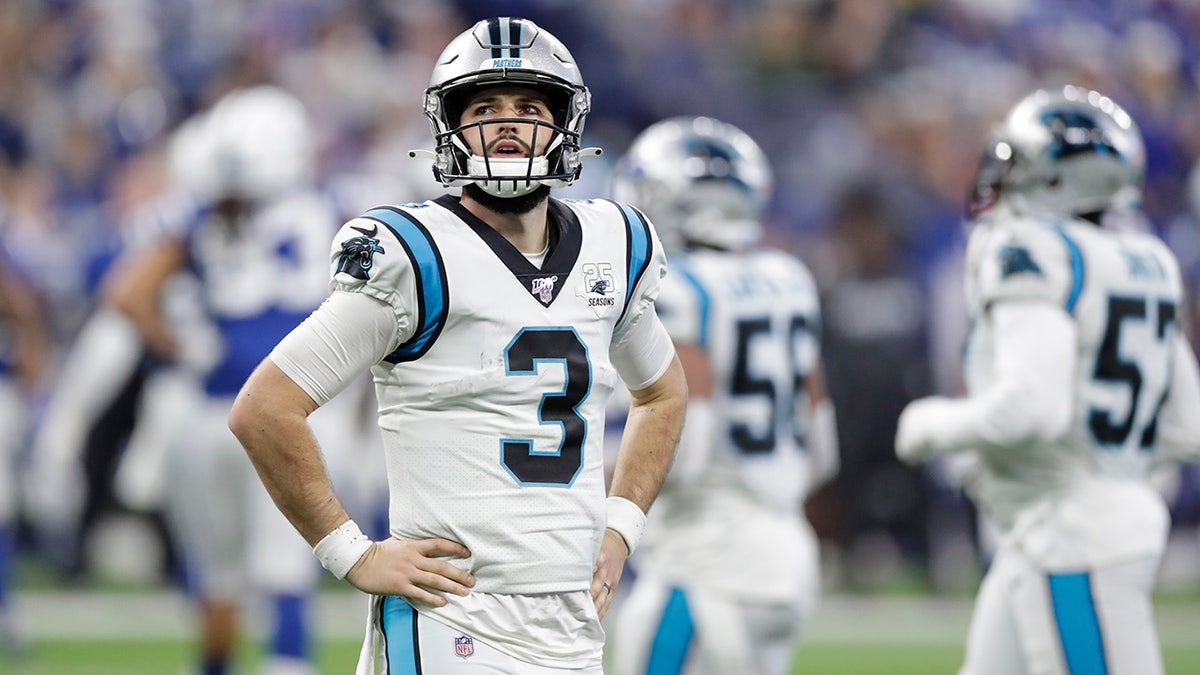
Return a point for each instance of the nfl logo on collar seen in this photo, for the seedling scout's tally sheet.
(464, 646)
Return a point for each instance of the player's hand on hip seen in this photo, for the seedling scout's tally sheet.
(606, 575)
(412, 569)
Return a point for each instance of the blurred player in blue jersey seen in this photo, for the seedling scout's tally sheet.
(496, 323)
(1080, 382)
(728, 569)
(24, 361)
(257, 246)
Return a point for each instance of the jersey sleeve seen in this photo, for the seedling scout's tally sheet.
(647, 267)
(682, 304)
(1026, 261)
(368, 257)
(641, 348)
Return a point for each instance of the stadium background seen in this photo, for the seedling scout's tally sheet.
(872, 113)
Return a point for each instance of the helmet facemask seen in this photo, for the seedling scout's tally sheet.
(985, 190)
(556, 165)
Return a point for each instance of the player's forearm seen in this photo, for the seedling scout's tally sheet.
(1029, 400)
(269, 418)
(651, 434)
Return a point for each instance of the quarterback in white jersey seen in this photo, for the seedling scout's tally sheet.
(1080, 381)
(495, 324)
(710, 597)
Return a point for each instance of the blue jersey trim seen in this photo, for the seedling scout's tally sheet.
(1077, 271)
(704, 302)
(673, 637)
(1078, 627)
(637, 258)
(433, 293)
(398, 621)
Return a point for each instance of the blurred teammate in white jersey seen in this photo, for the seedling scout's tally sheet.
(1080, 380)
(728, 569)
(496, 324)
(257, 243)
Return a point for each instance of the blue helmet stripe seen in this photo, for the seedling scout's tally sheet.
(515, 50)
(494, 36)
(432, 289)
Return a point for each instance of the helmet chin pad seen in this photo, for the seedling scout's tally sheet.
(507, 177)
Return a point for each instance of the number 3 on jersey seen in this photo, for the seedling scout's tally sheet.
(524, 356)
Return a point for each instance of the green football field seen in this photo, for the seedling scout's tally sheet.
(168, 657)
(147, 633)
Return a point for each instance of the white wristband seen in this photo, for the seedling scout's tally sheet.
(342, 548)
(627, 519)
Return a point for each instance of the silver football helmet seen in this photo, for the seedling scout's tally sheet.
(699, 180)
(508, 51)
(1071, 151)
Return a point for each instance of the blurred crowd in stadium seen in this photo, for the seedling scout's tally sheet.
(869, 111)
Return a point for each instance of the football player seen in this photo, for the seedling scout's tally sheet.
(1079, 381)
(256, 245)
(24, 365)
(496, 323)
(711, 596)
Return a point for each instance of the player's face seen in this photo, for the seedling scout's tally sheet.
(505, 119)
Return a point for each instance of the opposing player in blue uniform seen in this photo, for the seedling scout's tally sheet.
(711, 596)
(1080, 381)
(256, 246)
(496, 323)
(24, 365)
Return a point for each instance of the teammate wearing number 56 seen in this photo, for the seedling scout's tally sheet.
(1080, 383)
(759, 434)
(495, 323)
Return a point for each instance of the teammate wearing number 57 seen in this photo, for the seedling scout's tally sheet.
(495, 323)
(1080, 383)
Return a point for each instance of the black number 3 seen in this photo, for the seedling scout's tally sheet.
(531, 348)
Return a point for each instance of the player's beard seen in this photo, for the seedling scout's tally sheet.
(513, 205)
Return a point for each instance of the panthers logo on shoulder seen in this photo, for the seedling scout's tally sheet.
(358, 253)
(1016, 259)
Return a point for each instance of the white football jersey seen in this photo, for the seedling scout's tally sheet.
(1122, 288)
(492, 401)
(756, 315)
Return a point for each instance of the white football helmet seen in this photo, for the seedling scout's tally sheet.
(254, 143)
(509, 51)
(700, 181)
(1071, 151)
